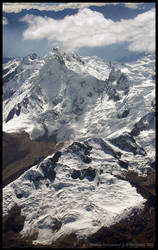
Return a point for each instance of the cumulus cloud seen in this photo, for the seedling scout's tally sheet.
(5, 21)
(17, 7)
(90, 29)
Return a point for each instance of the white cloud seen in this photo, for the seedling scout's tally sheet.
(133, 5)
(17, 7)
(5, 21)
(91, 28)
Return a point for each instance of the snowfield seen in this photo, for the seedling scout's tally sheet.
(105, 114)
(81, 205)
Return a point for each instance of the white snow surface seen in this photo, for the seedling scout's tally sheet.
(87, 100)
(69, 95)
(82, 206)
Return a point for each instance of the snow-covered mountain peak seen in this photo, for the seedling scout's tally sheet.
(105, 115)
(29, 58)
(72, 89)
(61, 52)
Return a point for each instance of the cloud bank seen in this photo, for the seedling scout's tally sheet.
(17, 7)
(91, 29)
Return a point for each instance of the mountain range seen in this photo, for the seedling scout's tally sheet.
(103, 113)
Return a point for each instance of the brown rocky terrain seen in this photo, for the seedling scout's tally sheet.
(20, 153)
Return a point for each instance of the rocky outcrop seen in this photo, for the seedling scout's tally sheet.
(27, 59)
(14, 221)
(127, 143)
(123, 114)
(81, 150)
(145, 123)
(48, 171)
(123, 83)
(153, 104)
(16, 110)
(88, 173)
(55, 157)
(76, 174)
(56, 224)
(123, 164)
(9, 76)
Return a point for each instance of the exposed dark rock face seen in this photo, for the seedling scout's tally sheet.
(14, 221)
(26, 59)
(25, 102)
(76, 174)
(112, 93)
(79, 147)
(123, 114)
(88, 173)
(135, 131)
(152, 164)
(56, 224)
(33, 175)
(10, 115)
(145, 123)
(48, 171)
(153, 77)
(19, 195)
(127, 143)
(83, 83)
(122, 83)
(33, 56)
(55, 157)
(123, 164)
(153, 104)
(58, 56)
(16, 110)
(89, 94)
(10, 76)
(86, 159)
(81, 150)
(101, 171)
(116, 97)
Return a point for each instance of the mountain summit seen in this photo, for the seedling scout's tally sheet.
(59, 92)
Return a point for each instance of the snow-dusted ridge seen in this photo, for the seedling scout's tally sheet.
(105, 114)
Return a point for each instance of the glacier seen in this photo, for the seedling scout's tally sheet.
(105, 115)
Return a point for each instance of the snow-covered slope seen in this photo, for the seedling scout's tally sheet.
(47, 94)
(75, 187)
(105, 114)
(62, 89)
